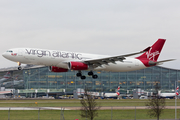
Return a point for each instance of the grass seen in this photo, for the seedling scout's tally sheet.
(74, 114)
(75, 103)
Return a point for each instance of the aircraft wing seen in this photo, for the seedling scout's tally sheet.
(113, 59)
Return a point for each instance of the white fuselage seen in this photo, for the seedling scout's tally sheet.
(14, 82)
(3, 80)
(110, 95)
(167, 95)
(61, 58)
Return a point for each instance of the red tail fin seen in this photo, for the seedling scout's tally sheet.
(177, 90)
(7, 75)
(154, 51)
(118, 91)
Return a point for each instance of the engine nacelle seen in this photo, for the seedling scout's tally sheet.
(57, 69)
(78, 66)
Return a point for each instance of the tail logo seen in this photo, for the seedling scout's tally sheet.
(177, 90)
(117, 91)
(151, 56)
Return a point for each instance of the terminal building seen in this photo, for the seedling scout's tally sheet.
(40, 78)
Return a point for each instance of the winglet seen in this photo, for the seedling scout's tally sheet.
(147, 49)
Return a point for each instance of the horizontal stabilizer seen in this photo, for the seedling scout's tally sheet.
(160, 62)
(165, 60)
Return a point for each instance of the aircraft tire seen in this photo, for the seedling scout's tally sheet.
(19, 68)
(90, 73)
(83, 77)
(78, 74)
(95, 76)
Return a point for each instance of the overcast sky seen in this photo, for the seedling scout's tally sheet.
(109, 27)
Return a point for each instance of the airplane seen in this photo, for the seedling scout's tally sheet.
(5, 77)
(62, 61)
(96, 94)
(13, 83)
(112, 95)
(169, 95)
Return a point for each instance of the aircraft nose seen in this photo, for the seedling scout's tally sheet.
(5, 55)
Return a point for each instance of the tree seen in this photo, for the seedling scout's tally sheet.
(89, 107)
(156, 105)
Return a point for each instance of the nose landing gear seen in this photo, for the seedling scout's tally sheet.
(19, 64)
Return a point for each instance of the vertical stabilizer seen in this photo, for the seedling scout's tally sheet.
(154, 51)
(177, 90)
(118, 93)
(7, 75)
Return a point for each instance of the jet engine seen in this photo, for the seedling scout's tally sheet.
(57, 69)
(78, 66)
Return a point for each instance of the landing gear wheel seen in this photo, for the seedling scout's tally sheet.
(94, 76)
(83, 77)
(78, 74)
(19, 64)
(90, 73)
(19, 68)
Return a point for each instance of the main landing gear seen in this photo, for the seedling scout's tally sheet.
(79, 74)
(19, 64)
(94, 76)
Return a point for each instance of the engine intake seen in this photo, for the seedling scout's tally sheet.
(78, 66)
(57, 69)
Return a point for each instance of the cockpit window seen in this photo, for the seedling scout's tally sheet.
(9, 51)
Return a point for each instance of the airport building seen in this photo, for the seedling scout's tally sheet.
(41, 78)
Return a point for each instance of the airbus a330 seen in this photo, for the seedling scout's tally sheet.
(62, 61)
